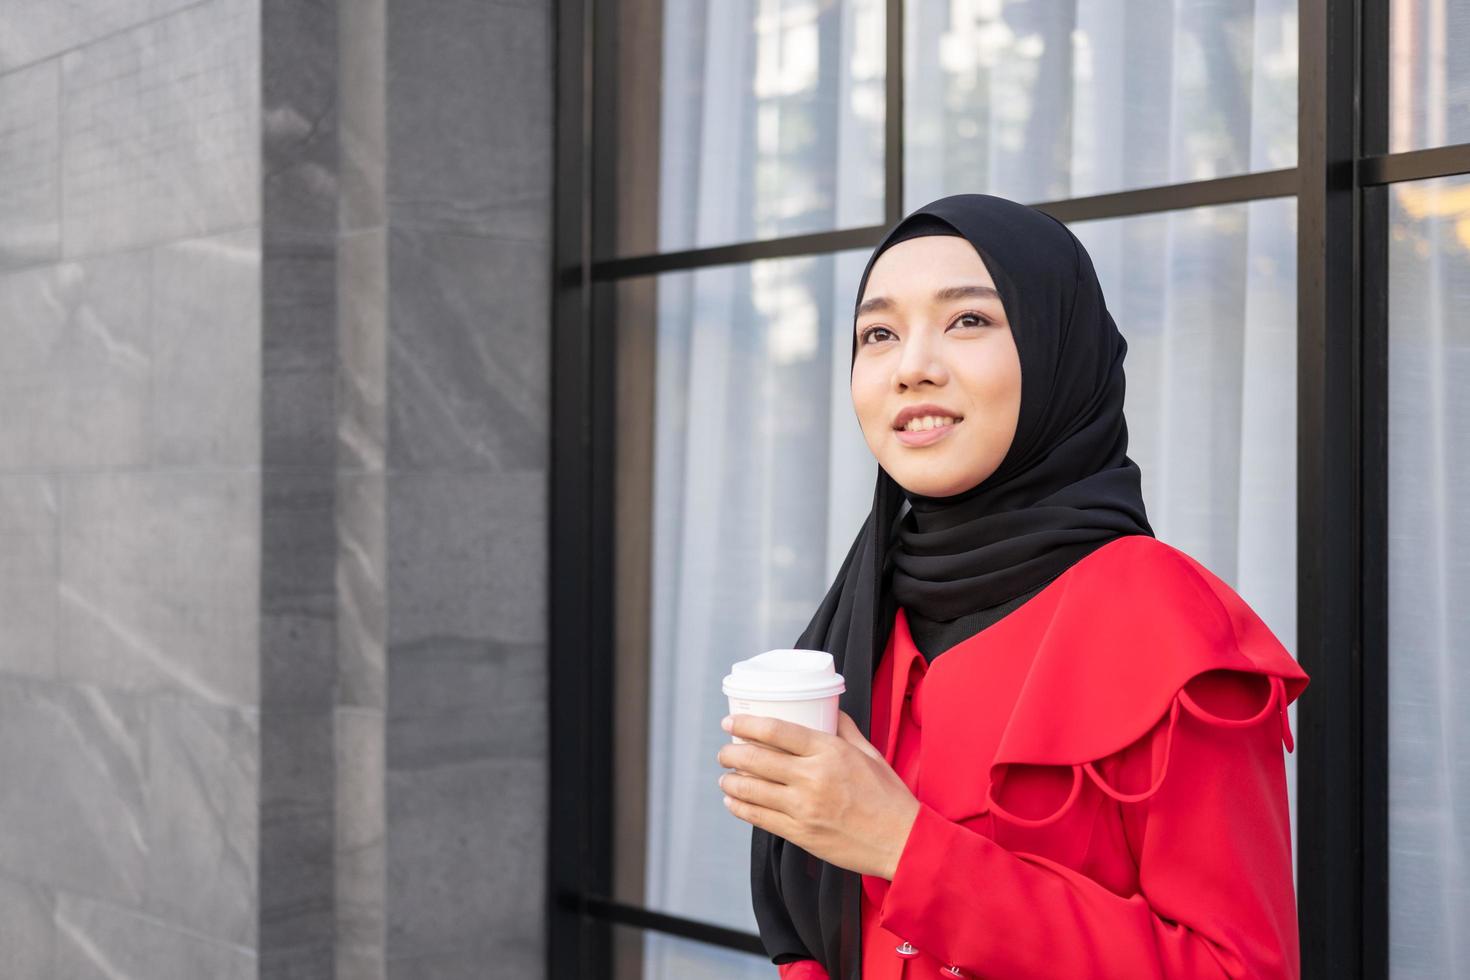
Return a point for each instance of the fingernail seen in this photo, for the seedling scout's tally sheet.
(726, 799)
(726, 723)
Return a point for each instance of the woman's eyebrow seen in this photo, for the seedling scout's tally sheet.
(877, 304)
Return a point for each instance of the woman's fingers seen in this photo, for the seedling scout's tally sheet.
(761, 792)
(847, 730)
(755, 759)
(777, 732)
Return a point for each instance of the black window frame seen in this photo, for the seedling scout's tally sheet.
(1340, 186)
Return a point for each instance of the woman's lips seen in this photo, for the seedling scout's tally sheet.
(925, 437)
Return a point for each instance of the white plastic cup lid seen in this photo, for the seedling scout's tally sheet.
(784, 675)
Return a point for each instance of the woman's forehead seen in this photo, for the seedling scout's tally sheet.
(919, 262)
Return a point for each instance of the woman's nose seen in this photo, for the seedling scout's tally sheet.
(919, 360)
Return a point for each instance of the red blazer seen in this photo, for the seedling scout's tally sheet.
(1101, 786)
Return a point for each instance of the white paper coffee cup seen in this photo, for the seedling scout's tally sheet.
(800, 686)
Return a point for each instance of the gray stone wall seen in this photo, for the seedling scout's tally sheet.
(298, 604)
(130, 506)
(274, 376)
(467, 215)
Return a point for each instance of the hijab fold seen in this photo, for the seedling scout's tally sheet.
(1064, 488)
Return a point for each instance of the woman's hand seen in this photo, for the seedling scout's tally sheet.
(833, 796)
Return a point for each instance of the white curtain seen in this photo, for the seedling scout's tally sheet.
(761, 474)
(1429, 578)
(1429, 484)
(1207, 302)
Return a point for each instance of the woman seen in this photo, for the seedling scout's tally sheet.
(1059, 749)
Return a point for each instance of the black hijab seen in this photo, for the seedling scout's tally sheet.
(1064, 488)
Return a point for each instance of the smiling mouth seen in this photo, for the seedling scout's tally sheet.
(919, 425)
(923, 438)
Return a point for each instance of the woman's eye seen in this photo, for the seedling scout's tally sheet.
(976, 321)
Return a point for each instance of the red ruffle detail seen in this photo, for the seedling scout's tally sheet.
(1109, 654)
(1275, 700)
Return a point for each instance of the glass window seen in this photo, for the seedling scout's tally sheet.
(731, 526)
(734, 377)
(1428, 74)
(739, 120)
(1206, 299)
(1429, 577)
(1044, 101)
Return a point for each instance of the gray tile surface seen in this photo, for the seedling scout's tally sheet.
(465, 76)
(73, 800)
(78, 363)
(27, 927)
(299, 218)
(298, 837)
(466, 559)
(469, 352)
(159, 582)
(30, 172)
(493, 955)
(455, 701)
(205, 408)
(34, 29)
(28, 516)
(298, 656)
(465, 848)
(361, 857)
(362, 114)
(362, 344)
(362, 600)
(161, 130)
(299, 119)
(203, 818)
(298, 409)
(101, 941)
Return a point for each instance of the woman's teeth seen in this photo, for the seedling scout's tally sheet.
(928, 422)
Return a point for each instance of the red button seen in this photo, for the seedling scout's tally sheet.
(952, 971)
(906, 951)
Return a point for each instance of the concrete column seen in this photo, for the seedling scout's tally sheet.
(274, 355)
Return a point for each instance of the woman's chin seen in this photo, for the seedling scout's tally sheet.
(933, 481)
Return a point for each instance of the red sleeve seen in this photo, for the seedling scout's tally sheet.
(803, 970)
(1213, 850)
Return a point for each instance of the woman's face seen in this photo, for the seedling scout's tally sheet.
(931, 331)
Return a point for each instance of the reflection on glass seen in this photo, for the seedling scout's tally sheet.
(739, 120)
(1428, 74)
(1042, 101)
(1429, 578)
(1206, 299)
